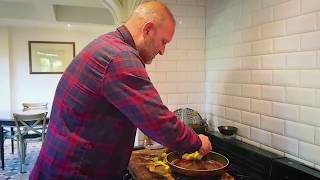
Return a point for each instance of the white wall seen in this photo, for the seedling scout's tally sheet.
(26, 87)
(4, 73)
(262, 65)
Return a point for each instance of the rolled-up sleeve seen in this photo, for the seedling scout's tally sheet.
(127, 86)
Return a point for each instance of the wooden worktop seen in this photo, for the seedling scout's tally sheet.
(140, 159)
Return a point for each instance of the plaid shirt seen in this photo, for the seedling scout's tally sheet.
(102, 97)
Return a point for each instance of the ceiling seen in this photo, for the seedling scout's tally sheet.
(55, 12)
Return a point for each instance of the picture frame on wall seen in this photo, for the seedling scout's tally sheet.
(50, 57)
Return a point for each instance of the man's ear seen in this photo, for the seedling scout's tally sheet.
(148, 27)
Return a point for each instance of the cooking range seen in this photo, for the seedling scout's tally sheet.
(247, 162)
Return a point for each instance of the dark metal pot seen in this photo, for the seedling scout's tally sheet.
(198, 173)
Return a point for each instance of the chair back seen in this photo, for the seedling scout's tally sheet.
(26, 123)
(34, 106)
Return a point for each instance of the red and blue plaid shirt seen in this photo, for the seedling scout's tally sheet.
(102, 97)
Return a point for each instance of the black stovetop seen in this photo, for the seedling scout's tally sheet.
(250, 162)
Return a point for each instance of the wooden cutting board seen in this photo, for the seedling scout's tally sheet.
(138, 162)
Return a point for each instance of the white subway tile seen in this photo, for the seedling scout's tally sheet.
(195, 77)
(253, 143)
(189, 2)
(232, 89)
(242, 49)
(196, 33)
(261, 77)
(272, 124)
(251, 34)
(285, 111)
(317, 140)
(178, 10)
(261, 136)
(187, 22)
(250, 119)
(241, 103)
(243, 130)
(301, 96)
(310, 41)
(191, 66)
(194, 54)
(275, 151)
(274, 61)
(218, 110)
(241, 76)
(253, 91)
(310, 78)
(273, 29)
(164, 88)
(310, 115)
(190, 87)
(318, 98)
(251, 62)
(306, 59)
(274, 93)
(177, 99)
(195, 98)
(233, 114)
(196, 11)
(151, 67)
(157, 76)
(262, 47)
(166, 66)
(251, 5)
(302, 24)
(262, 107)
(285, 144)
(318, 21)
(309, 6)
(287, 44)
(242, 22)
(224, 100)
(267, 3)
(309, 152)
(300, 131)
(262, 16)
(193, 43)
(286, 10)
(286, 77)
(176, 76)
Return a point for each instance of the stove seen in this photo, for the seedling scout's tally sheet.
(247, 162)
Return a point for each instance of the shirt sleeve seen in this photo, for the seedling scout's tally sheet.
(127, 86)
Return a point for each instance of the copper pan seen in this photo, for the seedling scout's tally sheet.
(198, 173)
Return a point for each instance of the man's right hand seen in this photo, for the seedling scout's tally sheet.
(206, 146)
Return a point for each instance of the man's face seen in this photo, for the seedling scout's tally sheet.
(156, 40)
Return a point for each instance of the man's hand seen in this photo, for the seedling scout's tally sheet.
(206, 146)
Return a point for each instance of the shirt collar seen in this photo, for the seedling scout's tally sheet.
(126, 36)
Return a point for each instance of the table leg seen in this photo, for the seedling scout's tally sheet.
(12, 141)
(1, 147)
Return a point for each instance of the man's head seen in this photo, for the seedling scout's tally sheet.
(152, 26)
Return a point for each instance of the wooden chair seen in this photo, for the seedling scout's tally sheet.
(27, 129)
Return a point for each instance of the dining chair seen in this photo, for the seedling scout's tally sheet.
(27, 130)
(26, 107)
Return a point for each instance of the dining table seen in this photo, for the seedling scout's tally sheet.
(8, 121)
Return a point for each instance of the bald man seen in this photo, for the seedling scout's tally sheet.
(104, 96)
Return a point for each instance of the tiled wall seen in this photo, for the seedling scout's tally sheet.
(179, 74)
(263, 73)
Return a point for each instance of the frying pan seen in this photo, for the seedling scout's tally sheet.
(198, 173)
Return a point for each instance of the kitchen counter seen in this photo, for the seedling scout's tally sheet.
(140, 159)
